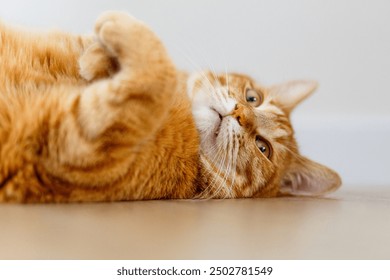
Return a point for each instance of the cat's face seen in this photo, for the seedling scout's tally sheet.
(247, 141)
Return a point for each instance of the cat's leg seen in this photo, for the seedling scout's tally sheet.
(96, 63)
(89, 136)
(138, 96)
(111, 120)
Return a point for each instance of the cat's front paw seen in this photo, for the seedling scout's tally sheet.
(127, 39)
(95, 63)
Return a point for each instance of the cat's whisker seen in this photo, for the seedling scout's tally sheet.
(219, 162)
(197, 67)
(229, 145)
(200, 70)
(226, 76)
(229, 188)
(214, 74)
(210, 88)
(234, 154)
(226, 94)
(214, 93)
(221, 173)
(235, 151)
(217, 83)
(209, 85)
(227, 83)
(217, 152)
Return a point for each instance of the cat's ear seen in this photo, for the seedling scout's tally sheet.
(305, 177)
(290, 94)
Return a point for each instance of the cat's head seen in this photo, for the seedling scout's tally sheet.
(247, 142)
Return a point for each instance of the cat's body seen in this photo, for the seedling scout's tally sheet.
(112, 119)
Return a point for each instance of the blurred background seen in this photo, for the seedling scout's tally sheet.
(344, 45)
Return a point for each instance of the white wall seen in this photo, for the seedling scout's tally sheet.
(345, 45)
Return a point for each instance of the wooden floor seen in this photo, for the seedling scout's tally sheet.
(353, 223)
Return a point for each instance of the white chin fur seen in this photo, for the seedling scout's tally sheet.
(208, 103)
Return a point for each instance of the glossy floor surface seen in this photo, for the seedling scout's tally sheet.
(353, 223)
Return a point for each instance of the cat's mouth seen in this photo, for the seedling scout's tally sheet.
(218, 123)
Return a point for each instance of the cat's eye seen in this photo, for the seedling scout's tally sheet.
(263, 146)
(253, 97)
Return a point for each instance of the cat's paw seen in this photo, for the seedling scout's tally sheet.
(126, 38)
(95, 63)
(117, 32)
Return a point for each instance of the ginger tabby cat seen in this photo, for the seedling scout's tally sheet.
(110, 118)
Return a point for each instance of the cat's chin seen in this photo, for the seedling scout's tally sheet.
(209, 123)
(218, 122)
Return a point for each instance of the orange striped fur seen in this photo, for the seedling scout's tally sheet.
(110, 118)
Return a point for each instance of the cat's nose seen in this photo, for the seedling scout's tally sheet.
(237, 114)
(242, 115)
